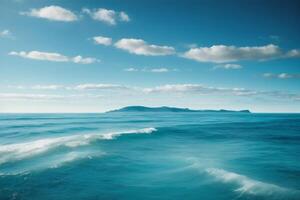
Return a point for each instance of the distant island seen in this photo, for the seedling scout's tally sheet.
(169, 109)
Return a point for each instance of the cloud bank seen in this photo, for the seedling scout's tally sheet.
(197, 88)
(168, 89)
(223, 53)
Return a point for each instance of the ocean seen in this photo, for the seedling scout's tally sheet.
(150, 155)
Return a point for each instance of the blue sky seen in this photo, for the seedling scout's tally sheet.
(92, 56)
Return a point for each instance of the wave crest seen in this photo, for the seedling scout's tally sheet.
(250, 186)
(18, 151)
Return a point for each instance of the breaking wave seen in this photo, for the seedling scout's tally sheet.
(19, 151)
(246, 185)
(52, 161)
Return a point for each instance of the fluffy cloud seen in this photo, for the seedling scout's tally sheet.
(107, 16)
(124, 17)
(140, 47)
(281, 75)
(54, 13)
(38, 55)
(102, 40)
(223, 54)
(54, 57)
(229, 66)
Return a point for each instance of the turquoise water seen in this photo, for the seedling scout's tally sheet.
(150, 156)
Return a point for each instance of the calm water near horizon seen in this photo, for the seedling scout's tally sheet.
(149, 155)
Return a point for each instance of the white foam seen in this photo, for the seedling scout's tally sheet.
(53, 161)
(142, 131)
(72, 156)
(248, 185)
(19, 151)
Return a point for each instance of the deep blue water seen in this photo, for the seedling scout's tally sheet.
(209, 156)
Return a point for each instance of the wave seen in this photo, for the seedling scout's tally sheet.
(50, 162)
(70, 157)
(19, 151)
(247, 185)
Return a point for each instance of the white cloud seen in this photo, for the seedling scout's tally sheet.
(81, 60)
(54, 57)
(47, 87)
(153, 70)
(131, 69)
(159, 70)
(38, 55)
(223, 53)
(37, 87)
(25, 96)
(46, 97)
(229, 66)
(294, 53)
(196, 88)
(6, 34)
(140, 47)
(124, 17)
(16, 86)
(281, 75)
(284, 75)
(54, 13)
(86, 86)
(102, 40)
(91, 86)
(107, 16)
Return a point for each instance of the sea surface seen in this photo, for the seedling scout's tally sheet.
(136, 155)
